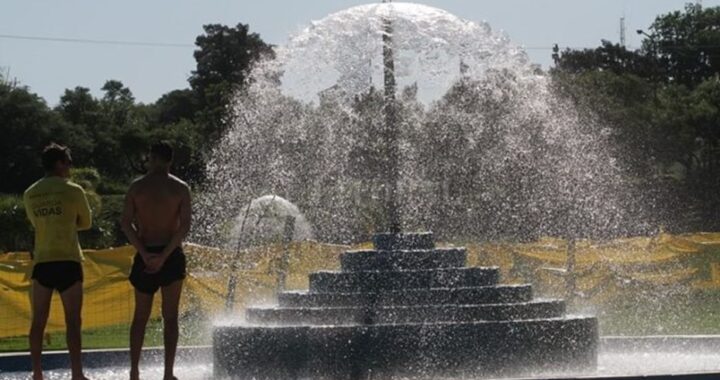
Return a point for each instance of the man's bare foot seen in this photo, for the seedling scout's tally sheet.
(78, 375)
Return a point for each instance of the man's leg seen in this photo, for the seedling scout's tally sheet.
(143, 308)
(72, 299)
(170, 306)
(40, 301)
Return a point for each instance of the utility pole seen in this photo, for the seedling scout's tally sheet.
(622, 31)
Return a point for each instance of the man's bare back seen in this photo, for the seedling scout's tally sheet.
(157, 215)
(158, 202)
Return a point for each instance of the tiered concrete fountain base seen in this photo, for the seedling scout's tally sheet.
(405, 309)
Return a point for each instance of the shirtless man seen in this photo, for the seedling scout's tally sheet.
(155, 220)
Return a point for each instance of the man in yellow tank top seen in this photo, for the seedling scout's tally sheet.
(57, 209)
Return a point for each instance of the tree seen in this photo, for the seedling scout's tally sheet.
(117, 102)
(120, 133)
(683, 47)
(608, 57)
(82, 114)
(79, 107)
(25, 126)
(687, 44)
(698, 112)
(175, 106)
(224, 56)
(660, 104)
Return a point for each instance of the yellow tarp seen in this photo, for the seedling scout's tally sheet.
(107, 301)
(108, 296)
(602, 270)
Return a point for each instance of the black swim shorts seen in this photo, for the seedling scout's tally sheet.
(59, 275)
(149, 283)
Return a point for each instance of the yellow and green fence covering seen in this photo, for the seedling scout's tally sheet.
(595, 271)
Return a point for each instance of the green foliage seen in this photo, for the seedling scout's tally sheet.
(175, 106)
(662, 105)
(121, 133)
(109, 136)
(112, 187)
(112, 133)
(26, 125)
(683, 47)
(608, 57)
(79, 107)
(687, 43)
(190, 148)
(88, 178)
(223, 58)
(106, 230)
(16, 233)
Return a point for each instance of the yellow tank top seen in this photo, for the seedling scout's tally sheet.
(57, 209)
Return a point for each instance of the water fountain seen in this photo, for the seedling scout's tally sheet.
(405, 308)
(483, 147)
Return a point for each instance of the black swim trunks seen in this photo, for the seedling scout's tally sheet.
(149, 283)
(59, 275)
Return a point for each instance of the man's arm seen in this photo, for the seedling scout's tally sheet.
(185, 215)
(84, 218)
(30, 216)
(28, 209)
(126, 223)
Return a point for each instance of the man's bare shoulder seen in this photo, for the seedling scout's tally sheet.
(178, 185)
(178, 181)
(137, 184)
(149, 184)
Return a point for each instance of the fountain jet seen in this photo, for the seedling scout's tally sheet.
(391, 132)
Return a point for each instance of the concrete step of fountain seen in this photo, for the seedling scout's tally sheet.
(427, 350)
(439, 296)
(374, 260)
(405, 314)
(371, 281)
(403, 241)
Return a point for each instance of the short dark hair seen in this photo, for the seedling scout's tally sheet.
(53, 153)
(162, 150)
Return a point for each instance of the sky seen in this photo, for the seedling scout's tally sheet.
(49, 67)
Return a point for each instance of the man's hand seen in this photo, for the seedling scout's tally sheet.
(153, 261)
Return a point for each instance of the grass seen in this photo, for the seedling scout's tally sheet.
(679, 314)
(116, 336)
